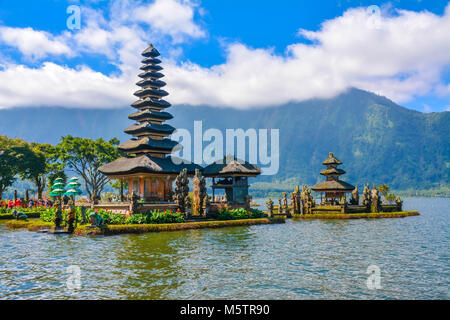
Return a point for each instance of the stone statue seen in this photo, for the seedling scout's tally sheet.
(366, 197)
(269, 207)
(96, 220)
(375, 200)
(355, 197)
(71, 216)
(206, 205)
(399, 203)
(248, 201)
(307, 200)
(297, 200)
(293, 202)
(83, 215)
(134, 203)
(343, 204)
(58, 215)
(199, 193)
(19, 215)
(285, 205)
(280, 206)
(181, 190)
(188, 206)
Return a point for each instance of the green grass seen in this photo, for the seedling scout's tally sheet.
(401, 214)
(144, 228)
(6, 216)
(31, 225)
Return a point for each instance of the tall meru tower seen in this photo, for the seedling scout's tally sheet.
(148, 167)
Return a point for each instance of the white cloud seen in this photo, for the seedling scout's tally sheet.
(32, 43)
(402, 57)
(54, 85)
(171, 17)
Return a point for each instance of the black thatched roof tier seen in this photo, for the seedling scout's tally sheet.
(332, 171)
(146, 143)
(333, 185)
(150, 74)
(151, 67)
(151, 61)
(146, 164)
(234, 167)
(150, 52)
(151, 83)
(149, 128)
(331, 160)
(150, 92)
(148, 115)
(148, 102)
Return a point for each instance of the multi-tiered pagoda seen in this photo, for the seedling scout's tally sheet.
(333, 188)
(148, 168)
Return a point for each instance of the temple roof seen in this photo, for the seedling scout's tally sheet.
(150, 52)
(148, 114)
(235, 167)
(150, 92)
(151, 83)
(146, 143)
(148, 127)
(146, 164)
(331, 160)
(151, 67)
(151, 60)
(149, 102)
(332, 171)
(333, 185)
(150, 74)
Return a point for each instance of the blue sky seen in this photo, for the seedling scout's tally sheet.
(225, 53)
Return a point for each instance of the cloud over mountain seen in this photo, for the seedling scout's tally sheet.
(401, 54)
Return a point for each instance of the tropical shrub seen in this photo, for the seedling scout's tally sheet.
(48, 215)
(240, 213)
(166, 216)
(149, 217)
(137, 218)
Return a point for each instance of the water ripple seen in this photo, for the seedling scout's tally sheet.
(297, 260)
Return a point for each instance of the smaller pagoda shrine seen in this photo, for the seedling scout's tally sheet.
(333, 188)
(232, 175)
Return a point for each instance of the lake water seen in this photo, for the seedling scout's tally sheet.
(296, 260)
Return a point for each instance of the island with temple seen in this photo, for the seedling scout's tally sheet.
(333, 201)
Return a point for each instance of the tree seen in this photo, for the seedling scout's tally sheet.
(85, 156)
(16, 158)
(384, 190)
(41, 165)
(119, 185)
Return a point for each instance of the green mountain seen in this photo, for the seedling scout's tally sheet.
(377, 140)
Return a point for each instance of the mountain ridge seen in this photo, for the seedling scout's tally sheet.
(378, 140)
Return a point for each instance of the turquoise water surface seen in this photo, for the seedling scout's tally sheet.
(318, 259)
